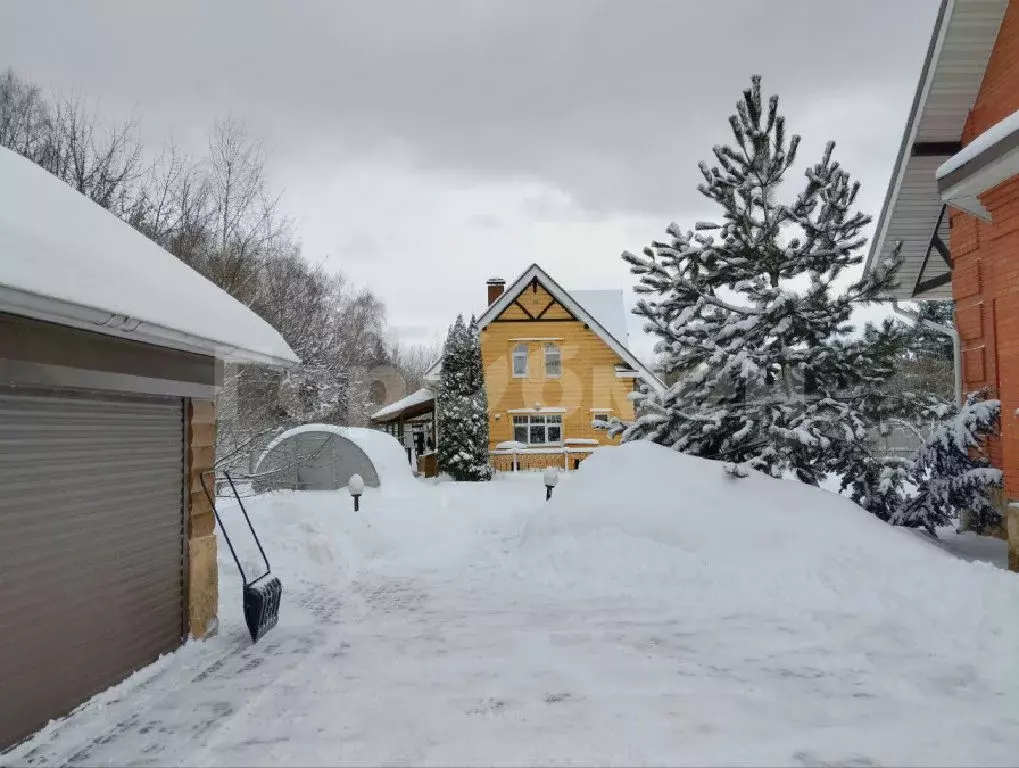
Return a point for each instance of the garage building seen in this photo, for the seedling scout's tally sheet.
(108, 359)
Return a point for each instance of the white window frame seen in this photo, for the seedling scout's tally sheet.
(529, 421)
(520, 350)
(557, 352)
(606, 412)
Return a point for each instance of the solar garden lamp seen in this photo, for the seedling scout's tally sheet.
(551, 478)
(356, 487)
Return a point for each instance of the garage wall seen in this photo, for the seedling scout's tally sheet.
(39, 354)
(91, 545)
(202, 573)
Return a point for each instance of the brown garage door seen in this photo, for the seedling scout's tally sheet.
(91, 547)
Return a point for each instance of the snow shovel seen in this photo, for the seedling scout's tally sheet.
(260, 597)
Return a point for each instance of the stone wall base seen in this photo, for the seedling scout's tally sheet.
(203, 587)
(203, 576)
(1012, 525)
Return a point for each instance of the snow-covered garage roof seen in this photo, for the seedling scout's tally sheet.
(960, 47)
(66, 260)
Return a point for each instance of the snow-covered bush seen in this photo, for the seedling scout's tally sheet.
(951, 472)
(463, 406)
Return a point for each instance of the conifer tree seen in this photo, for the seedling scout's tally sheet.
(748, 313)
(463, 408)
(951, 472)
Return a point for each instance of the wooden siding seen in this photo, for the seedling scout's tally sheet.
(537, 462)
(202, 574)
(588, 369)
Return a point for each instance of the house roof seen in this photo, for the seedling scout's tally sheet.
(66, 260)
(413, 404)
(600, 325)
(991, 158)
(607, 307)
(960, 47)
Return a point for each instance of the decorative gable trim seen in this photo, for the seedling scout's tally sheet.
(535, 275)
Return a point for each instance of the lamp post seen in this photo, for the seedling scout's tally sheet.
(356, 487)
(551, 478)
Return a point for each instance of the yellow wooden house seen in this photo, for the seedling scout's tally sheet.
(555, 363)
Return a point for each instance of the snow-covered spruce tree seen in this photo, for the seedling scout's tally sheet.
(463, 406)
(746, 311)
(951, 473)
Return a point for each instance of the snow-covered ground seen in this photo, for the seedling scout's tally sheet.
(654, 612)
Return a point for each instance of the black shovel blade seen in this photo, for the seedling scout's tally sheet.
(262, 606)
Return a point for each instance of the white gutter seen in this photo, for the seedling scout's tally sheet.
(947, 330)
(108, 323)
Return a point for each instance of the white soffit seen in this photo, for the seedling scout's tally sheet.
(961, 44)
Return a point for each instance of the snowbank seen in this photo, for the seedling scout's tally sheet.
(642, 518)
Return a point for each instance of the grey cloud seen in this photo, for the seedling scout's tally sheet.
(612, 102)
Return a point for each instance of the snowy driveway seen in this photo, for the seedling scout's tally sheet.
(434, 631)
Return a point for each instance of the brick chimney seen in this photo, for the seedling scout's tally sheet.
(496, 286)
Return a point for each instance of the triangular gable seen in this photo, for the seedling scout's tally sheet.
(534, 302)
(535, 274)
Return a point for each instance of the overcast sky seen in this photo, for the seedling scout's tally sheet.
(424, 147)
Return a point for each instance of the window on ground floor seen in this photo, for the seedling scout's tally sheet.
(538, 428)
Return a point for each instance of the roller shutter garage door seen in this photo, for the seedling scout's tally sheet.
(91, 546)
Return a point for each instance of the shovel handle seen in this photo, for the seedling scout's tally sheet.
(268, 568)
(219, 520)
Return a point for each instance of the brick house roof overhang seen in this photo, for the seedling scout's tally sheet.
(913, 211)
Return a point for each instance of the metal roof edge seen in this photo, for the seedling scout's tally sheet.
(909, 133)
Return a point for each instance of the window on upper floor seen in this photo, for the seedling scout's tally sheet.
(553, 361)
(520, 361)
(601, 417)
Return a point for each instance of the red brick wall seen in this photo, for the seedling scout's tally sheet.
(985, 279)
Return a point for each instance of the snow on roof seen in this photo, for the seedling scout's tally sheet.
(384, 451)
(985, 141)
(66, 260)
(991, 158)
(607, 308)
(422, 396)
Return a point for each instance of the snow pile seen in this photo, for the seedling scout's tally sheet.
(640, 519)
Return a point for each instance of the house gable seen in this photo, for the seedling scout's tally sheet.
(534, 303)
(514, 306)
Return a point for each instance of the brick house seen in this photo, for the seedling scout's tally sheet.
(953, 202)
